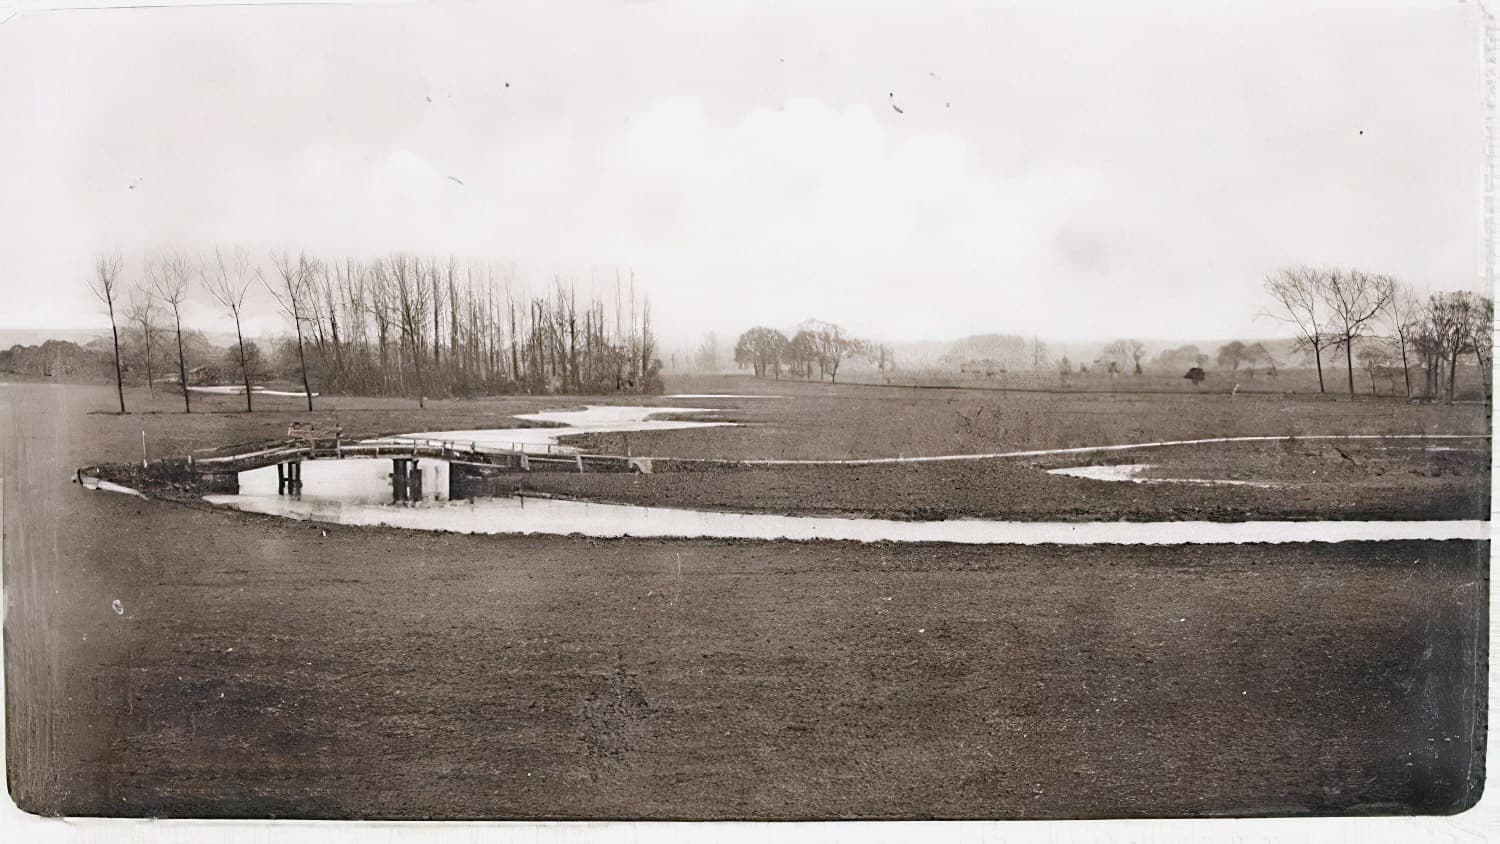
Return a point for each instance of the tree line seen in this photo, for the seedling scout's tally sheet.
(815, 344)
(401, 325)
(1333, 309)
(1388, 328)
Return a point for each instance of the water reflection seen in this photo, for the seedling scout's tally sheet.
(355, 482)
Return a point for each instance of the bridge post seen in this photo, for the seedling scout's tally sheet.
(406, 479)
(289, 477)
(398, 478)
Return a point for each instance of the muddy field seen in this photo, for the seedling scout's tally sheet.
(181, 661)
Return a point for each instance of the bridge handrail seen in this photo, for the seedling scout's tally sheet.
(474, 446)
(311, 449)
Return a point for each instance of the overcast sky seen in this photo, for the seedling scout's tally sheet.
(1077, 171)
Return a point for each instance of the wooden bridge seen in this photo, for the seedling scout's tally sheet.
(466, 458)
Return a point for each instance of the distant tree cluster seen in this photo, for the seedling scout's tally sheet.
(1234, 354)
(1180, 358)
(400, 325)
(1122, 355)
(816, 345)
(995, 354)
(55, 358)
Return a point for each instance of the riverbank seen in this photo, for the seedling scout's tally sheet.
(1311, 477)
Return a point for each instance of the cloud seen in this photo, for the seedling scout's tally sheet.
(749, 167)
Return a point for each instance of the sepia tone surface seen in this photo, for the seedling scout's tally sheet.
(271, 668)
(640, 411)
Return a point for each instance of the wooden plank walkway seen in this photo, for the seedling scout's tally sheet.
(520, 457)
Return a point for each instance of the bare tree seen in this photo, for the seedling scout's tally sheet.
(436, 298)
(227, 280)
(1298, 292)
(291, 293)
(168, 275)
(1376, 358)
(884, 358)
(1482, 338)
(801, 353)
(106, 275)
(380, 308)
(1038, 354)
(1403, 312)
(1354, 299)
(1127, 352)
(141, 310)
(1428, 342)
(830, 345)
(411, 309)
(706, 358)
(1450, 318)
(1257, 353)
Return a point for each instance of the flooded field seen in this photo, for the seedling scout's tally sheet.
(593, 419)
(239, 390)
(1137, 473)
(370, 493)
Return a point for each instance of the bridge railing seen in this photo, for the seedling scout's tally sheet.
(474, 446)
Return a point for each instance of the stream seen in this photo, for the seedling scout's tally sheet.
(359, 492)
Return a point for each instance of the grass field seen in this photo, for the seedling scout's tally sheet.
(1300, 380)
(258, 666)
(822, 421)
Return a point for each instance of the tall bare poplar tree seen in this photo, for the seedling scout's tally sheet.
(411, 309)
(168, 275)
(103, 286)
(227, 280)
(1404, 313)
(141, 310)
(291, 292)
(1482, 339)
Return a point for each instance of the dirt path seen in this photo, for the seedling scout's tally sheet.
(1092, 449)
